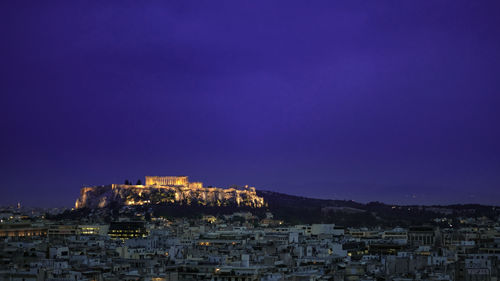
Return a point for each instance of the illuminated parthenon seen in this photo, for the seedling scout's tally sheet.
(172, 181)
(183, 180)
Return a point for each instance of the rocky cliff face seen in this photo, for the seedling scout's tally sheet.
(102, 196)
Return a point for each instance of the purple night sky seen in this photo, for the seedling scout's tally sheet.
(395, 101)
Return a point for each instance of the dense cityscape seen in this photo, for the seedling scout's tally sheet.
(131, 242)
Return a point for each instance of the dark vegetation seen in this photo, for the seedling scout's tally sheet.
(297, 209)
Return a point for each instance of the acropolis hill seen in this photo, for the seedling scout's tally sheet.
(165, 190)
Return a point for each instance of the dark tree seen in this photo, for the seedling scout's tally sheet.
(139, 182)
(127, 182)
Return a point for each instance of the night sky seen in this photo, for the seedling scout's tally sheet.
(392, 101)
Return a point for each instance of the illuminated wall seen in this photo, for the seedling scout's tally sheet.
(195, 185)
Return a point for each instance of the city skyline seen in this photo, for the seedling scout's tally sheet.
(391, 102)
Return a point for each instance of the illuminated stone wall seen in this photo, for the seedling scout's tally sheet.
(195, 185)
(102, 196)
(162, 190)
